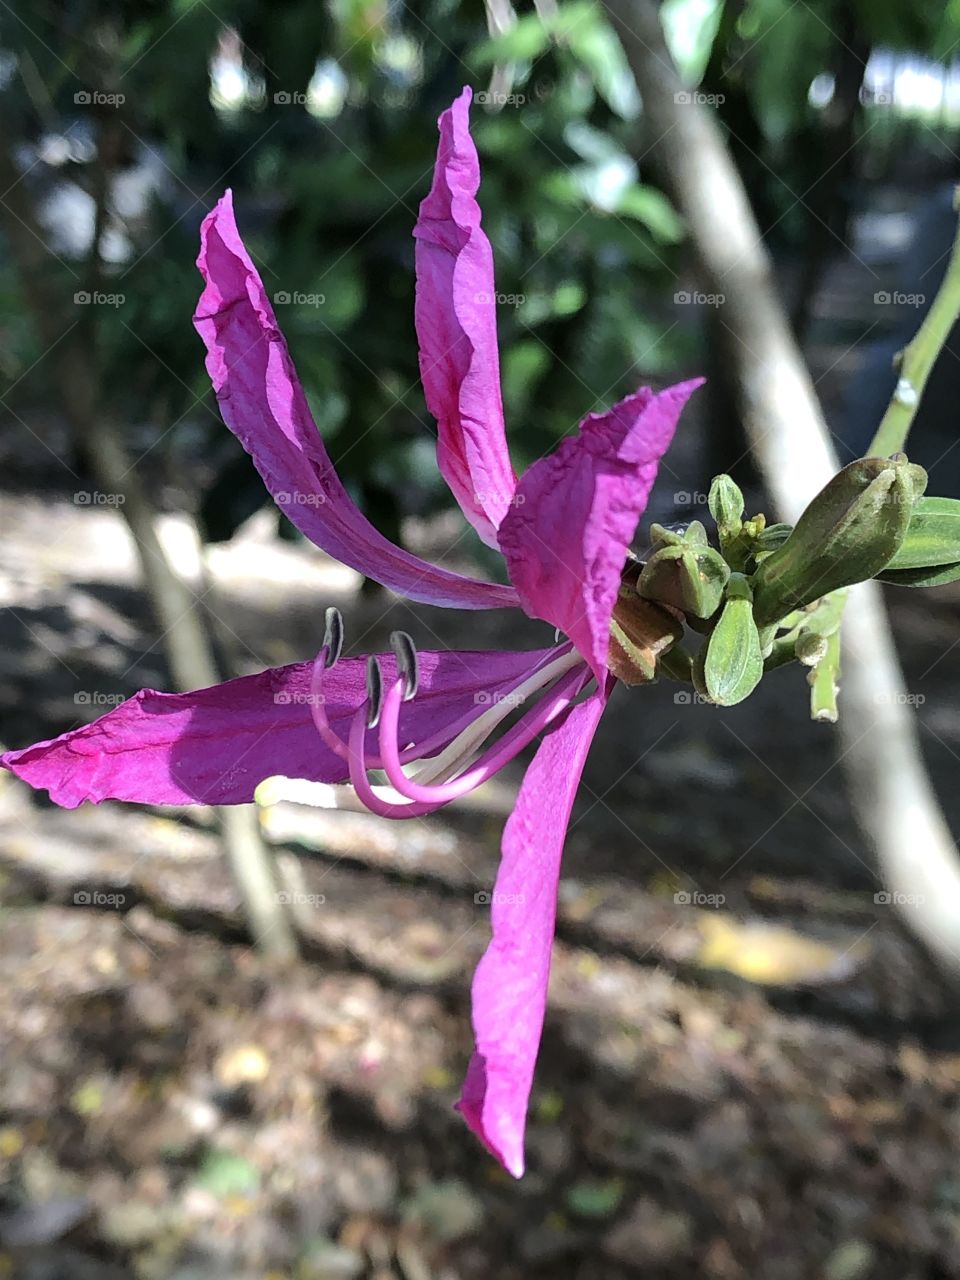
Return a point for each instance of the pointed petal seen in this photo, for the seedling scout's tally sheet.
(510, 985)
(263, 404)
(457, 328)
(566, 538)
(215, 745)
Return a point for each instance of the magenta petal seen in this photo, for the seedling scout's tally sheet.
(510, 984)
(215, 745)
(566, 538)
(263, 404)
(457, 328)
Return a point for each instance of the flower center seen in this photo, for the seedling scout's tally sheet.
(450, 762)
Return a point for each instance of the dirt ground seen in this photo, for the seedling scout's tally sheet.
(748, 1070)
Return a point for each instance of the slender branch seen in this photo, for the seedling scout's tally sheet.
(890, 789)
(915, 362)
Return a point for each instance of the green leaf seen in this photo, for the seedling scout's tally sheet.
(931, 576)
(598, 48)
(933, 536)
(654, 210)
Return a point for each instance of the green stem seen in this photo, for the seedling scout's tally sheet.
(917, 359)
(823, 682)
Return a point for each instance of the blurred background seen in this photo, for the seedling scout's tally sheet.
(749, 1069)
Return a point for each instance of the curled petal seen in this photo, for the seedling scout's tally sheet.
(510, 984)
(215, 745)
(263, 404)
(457, 328)
(566, 538)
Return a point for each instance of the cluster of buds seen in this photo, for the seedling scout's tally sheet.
(766, 595)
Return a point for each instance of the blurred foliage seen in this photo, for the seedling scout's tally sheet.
(322, 117)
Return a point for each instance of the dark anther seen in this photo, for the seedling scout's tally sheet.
(333, 636)
(408, 665)
(374, 692)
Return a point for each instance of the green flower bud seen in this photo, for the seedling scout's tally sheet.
(772, 537)
(686, 576)
(694, 534)
(733, 664)
(810, 648)
(640, 633)
(849, 532)
(725, 504)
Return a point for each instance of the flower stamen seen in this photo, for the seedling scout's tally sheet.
(408, 665)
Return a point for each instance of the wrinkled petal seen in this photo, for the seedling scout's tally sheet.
(215, 745)
(457, 328)
(566, 538)
(263, 404)
(510, 984)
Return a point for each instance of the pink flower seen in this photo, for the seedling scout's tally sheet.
(563, 528)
